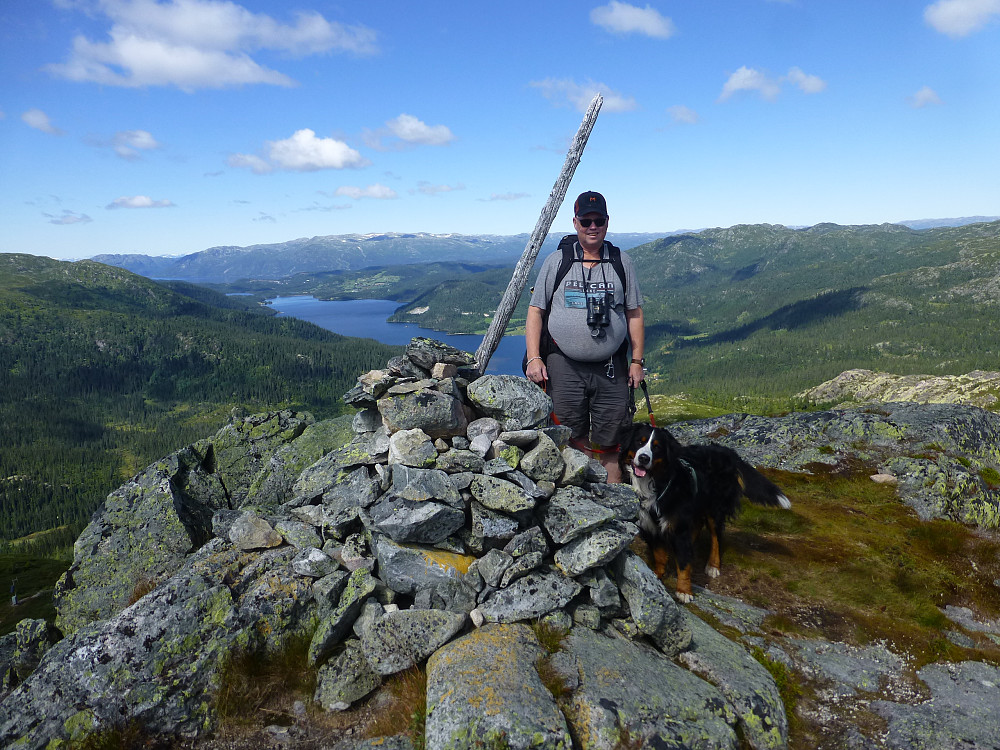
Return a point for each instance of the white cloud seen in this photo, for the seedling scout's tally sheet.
(38, 120)
(138, 201)
(682, 115)
(809, 84)
(407, 130)
(924, 98)
(68, 217)
(579, 95)
(958, 18)
(195, 44)
(251, 162)
(622, 18)
(377, 191)
(748, 79)
(128, 143)
(304, 152)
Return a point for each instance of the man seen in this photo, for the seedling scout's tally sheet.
(590, 318)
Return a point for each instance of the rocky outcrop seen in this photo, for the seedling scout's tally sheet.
(854, 387)
(944, 458)
(451, 529)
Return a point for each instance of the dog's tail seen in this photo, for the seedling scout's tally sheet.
(759, 489)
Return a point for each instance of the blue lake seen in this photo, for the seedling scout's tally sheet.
(366, 318)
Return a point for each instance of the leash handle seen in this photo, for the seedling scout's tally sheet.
(649, 405)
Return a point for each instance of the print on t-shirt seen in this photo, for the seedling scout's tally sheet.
(575, 293)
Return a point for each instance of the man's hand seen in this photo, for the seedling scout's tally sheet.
(636, 374)
(536, 371)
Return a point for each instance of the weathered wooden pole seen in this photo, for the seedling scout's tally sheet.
(520, 277)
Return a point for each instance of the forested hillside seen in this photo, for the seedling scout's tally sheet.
(103, 371)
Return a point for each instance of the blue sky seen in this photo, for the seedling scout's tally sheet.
(170, 126)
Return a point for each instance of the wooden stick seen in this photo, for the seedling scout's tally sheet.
(520, 277)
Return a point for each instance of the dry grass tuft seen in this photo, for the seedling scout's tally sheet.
(406, 712)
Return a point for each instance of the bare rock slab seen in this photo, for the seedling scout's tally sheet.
(483, 689)
(624, 692)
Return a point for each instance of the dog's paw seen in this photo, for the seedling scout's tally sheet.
(712, 572)
(685, 598)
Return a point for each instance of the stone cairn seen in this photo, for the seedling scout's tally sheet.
(453, 509)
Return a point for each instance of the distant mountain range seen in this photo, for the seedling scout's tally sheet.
(340, 252)
(932, 223)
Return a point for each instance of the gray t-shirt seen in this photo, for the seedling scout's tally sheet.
(568, 316)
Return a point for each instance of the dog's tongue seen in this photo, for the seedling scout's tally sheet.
(638, 472)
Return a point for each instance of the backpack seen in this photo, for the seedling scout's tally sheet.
(545, 343)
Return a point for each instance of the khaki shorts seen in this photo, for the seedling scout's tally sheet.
(586, 400)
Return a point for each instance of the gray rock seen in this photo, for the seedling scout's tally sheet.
(410, 386)
(313, 563)
(655, 613)
(412, 448)
(848, 668)
(250, 531)
(483, 426)
(347, 677)
(403, 366)
(481, 445)
(624, 692)
(404, 638)
(603, 592)
(534, 595)
(410, 483)
(407, 569)
(618, 498)
(729, 611)
(596, 548)
(747, 685)
(327, 590)
(32, 640)
(521, 438)
(426, 353)
(963, 711)
(329, 472)
(499, 494)
(242, 450)
(424, 522)
(544, 462)
(521, 566)
(577, 469)
(333, 628)
(298, 534)
(455, 461)
(514, 402)
(540, 490)
(140, 535)
(369, 388)
(273, 484)
(572, 513)
(491, 528)
(366, 420)
(531, 540)
(493, 565)
(509, 455)
(483, 691)
(436, 413)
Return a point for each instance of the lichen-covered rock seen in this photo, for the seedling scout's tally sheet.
(243, 449)
(337, 624)
(250, 531)
(530, 597)
(653, 610)
(420, 522)
(623, 692)
(499, 494)
(272, 486)
(483, 691)
(141, 535)
(595, 549)
(345, 678)
(406, 569)
(963, 711)
(399, 640)
(747, 685)
(410, 483)
(544, 462)
(426, 353)
(436, 413)
(571, 513)
(412, 448)
(514, 402)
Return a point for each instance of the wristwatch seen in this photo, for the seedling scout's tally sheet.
(639, 361)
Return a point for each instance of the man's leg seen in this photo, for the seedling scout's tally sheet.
(609, 415)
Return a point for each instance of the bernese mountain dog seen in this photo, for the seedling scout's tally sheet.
(683, 488)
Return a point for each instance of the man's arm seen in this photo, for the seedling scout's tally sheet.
(535, 370)
(637, 334)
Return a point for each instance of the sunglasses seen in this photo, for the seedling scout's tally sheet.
(585, 223)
